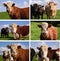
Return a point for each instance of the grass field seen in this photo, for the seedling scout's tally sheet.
(36, 31)
(1, 58)
(57, 15)
(34, 59)
(12, 38)
(4, 15)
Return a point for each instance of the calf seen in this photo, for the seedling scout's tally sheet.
(15, 12)
(18, 53)
(42, 54)
(48, 31)
(19, 31)
(5, 32)
(7, 56)
(37, 11)
(51, 10)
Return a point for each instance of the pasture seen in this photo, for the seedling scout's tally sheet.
(45, 17)
(1, 58)
(36, 31)
(34, 59)
(12, 38)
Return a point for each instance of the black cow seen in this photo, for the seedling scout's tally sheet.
(5, 32)
(32, 53)
(37, 11)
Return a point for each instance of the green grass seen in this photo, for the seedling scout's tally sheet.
(4, 15)
(57, 15)
(36, 31)
(1, 58)
(11, 37)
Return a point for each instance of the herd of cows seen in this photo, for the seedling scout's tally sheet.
(36, 10)
(17, 31)
(17, 53)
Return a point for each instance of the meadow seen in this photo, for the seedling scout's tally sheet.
(1, 58)
(12, 38)
(57, 15)
(36, 31)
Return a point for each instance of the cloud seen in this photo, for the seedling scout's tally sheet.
(26, 4)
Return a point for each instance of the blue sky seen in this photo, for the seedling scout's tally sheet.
(19, 3)
(4, 24)
(54, 45)
(3, 45)
(43, 2)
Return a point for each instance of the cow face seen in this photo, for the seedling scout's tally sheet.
(13, 49)
(9, 6)
(5, 53)
(13, 28)
(44, 27)
(43, 50)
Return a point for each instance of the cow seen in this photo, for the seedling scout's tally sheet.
(51, 10)
(42, 54)
(5, 32)
(37, 11)
(7, 56)
(32, 53)
(51, 54)
(19, 31)
(15, 12)
(18, 53)
(48, 31)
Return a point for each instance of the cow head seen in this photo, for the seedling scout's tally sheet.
(43, 50)
(9, 6)
(44, 28)
(14, 49)
(5, 53)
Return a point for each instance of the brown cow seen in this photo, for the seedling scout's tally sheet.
(18, 53)
(15, 12)
(48, 31)
(19, 31)
(51, 10)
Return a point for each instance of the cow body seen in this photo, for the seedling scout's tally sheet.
(5, 32)
(18, 53)
(37, 11)
(19, 31)
(15, 12)
(50, 10)
(48, 32)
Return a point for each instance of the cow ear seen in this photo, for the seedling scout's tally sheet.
(17, 25)
(4, 4)
(49, 25)
(19, 47)
(39, 26)
(49, 48)
(38, 48)
(9, 47)
(13, 4)
(55, 4)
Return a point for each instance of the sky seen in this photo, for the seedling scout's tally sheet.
(4, 24)
(43, 2)
(54, 45)
(18, 3)
(3, 45)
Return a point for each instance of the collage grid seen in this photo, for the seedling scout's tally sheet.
(24, 34)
